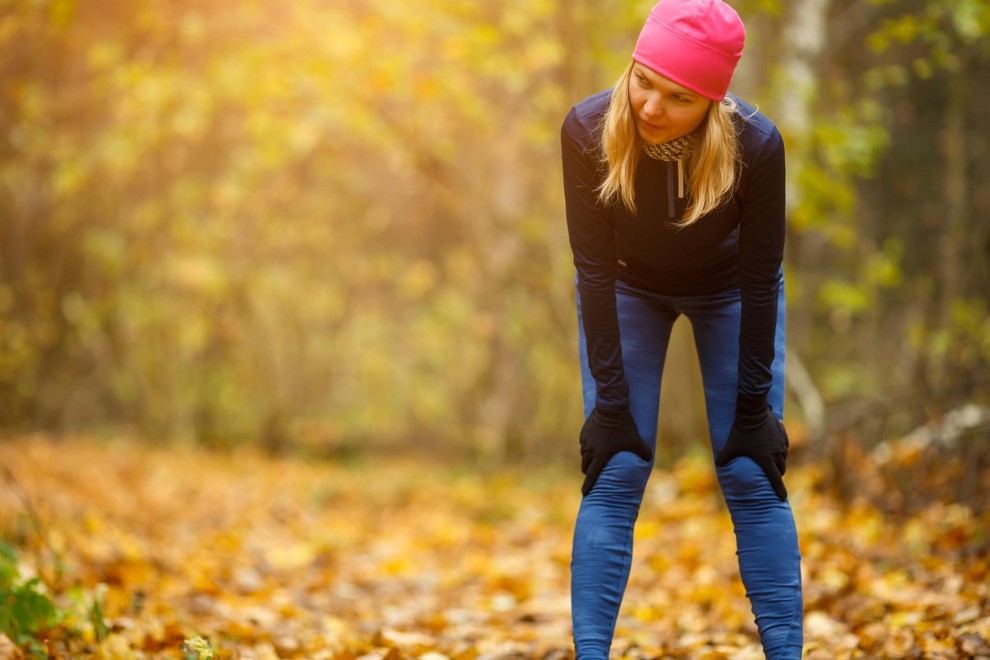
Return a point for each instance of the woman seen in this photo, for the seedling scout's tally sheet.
(675, 205)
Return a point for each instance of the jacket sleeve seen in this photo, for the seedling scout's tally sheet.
(592, 240)
(761, 253)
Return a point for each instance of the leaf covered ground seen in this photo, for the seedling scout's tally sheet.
(258, 557)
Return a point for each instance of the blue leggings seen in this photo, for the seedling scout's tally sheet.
(766, 539)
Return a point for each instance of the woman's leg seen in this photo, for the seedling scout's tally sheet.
(766, 538)
(603, 534)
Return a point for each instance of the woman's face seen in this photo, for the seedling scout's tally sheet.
(663, 110)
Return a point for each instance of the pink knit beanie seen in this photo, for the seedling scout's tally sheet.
(695, 43)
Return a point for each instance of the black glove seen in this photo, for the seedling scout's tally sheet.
(605, 434)
(766, 443)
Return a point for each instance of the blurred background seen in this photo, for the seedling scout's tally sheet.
(337, 226)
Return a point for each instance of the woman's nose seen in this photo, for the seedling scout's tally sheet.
(653, 106)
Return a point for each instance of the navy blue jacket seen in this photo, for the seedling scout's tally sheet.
(740, 244)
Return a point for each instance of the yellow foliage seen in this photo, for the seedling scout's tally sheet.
(391, 559)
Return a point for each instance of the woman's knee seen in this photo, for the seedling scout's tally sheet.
(742, 479)
(625, 474)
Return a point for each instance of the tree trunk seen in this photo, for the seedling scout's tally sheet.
(954, 240)
(804, 40)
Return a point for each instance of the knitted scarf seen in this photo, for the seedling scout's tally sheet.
(676, 149)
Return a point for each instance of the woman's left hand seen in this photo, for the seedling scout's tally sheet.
(766, 444)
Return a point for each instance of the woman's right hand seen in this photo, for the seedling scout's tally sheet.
(604, 434)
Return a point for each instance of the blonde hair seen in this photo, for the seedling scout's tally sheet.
(711, 168)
